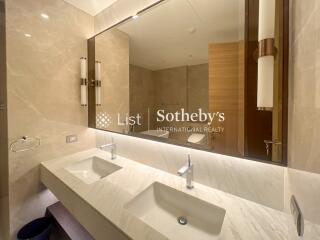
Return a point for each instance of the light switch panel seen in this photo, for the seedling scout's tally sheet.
(71, 139)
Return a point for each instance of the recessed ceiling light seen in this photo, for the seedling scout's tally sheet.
(45, 16)
(192, 30)
(135, 16)
(27, 35)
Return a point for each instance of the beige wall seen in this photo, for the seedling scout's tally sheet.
(304, 109)
(181, 87)
(43, 95)
(4, 212)
(171, 95)
(171, 88)
(304, 87)
(112, 50)
(197, 88)
(142, 96)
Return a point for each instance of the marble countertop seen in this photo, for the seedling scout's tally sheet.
(244, 219)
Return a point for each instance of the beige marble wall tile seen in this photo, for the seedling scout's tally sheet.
(302, 178)
(304, 86)
(171, 88)
(171, 95)
(43, 95)
(142, 96)
(197, 88)
(305, 186)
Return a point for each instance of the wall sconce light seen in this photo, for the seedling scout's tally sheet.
(83, 83)
(267, 53)
(98, 82)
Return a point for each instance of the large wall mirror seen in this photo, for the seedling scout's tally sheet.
(207, 74)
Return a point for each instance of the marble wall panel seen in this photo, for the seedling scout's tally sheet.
(43, 57)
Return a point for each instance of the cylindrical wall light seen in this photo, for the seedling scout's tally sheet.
(98, 82)
(83, 81)
(266, 54)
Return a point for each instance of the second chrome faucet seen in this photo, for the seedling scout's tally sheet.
(187, 170)
(112, 147)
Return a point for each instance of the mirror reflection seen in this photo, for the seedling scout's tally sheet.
(182, 77)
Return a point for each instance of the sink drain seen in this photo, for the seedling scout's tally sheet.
(182, 220)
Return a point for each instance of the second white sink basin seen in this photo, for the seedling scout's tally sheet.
(177, 215)
(92, 169)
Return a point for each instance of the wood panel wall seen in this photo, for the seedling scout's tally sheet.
(226, 94)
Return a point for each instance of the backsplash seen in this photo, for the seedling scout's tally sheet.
(305, 186)
(237, 176)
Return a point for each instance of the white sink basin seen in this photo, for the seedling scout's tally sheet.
(160, 206)
(92, 169)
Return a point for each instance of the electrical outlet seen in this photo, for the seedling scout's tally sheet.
(71, 139)
(297, 216)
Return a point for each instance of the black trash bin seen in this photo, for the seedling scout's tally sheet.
(38, 229)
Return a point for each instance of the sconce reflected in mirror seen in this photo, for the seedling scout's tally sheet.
(219, 68)
(95, 83)
(83, 83)
(267, 53)
(98, 82)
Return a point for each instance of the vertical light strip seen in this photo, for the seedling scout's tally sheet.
(83, 84)
(266, 54)
(98, 83)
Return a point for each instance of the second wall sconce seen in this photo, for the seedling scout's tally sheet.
(98, 82)
(83, 83)
(266, 54)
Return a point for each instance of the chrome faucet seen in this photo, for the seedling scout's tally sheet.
(113, 148)
(187, 170)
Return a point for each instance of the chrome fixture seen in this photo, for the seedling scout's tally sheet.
(269, 145)
(182, 220)
(297, 215)
(113, 148)
(25, 143)
(187, 170)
